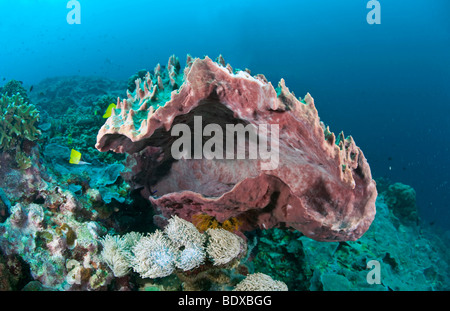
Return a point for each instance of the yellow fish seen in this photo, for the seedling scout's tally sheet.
(109, 110)
(75, 157)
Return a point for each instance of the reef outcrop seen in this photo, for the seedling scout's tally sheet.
(320, 184)
(18, 124)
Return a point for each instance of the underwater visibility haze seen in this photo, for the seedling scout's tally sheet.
(234, 145)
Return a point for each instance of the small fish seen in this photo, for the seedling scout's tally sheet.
(31, 88)
(109, 111)
(75, 157)
(4, 78)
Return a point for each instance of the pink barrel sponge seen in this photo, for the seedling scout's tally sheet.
(321, 184)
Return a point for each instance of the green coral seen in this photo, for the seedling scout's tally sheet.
(18, 121)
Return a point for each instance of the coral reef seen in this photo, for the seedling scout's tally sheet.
(21, 185)
(62, 253)
(322, 185)
(58, 94)
(104, 178)
(216, 225)
(83, 101)
(13, 272)
(51, 230)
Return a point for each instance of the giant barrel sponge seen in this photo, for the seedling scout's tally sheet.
(321, 185)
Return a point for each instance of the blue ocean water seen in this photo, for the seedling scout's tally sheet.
(385, 84)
